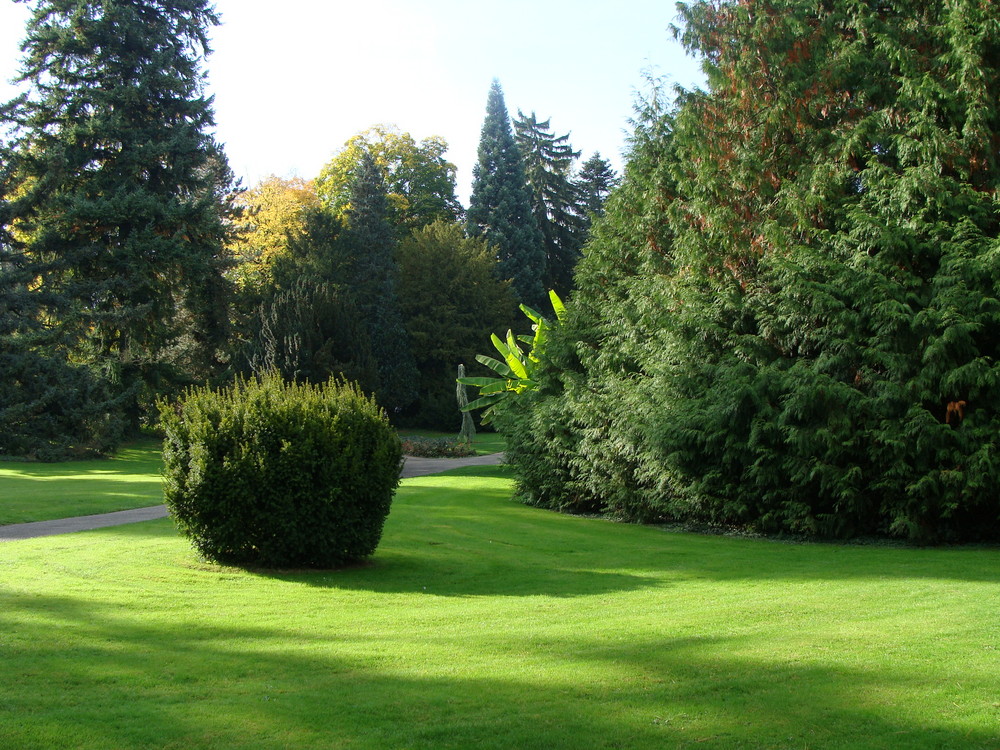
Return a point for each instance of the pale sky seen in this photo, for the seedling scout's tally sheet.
(293, 80)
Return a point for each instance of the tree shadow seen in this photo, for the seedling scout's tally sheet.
(85, 675)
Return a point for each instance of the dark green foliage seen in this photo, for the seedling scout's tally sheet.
(788, 316)
(500, 205)
(548, 160)
(118, 189)
(272, 474)
(594, 183)
(372, 277)
(312, 332)
(451, 300)
(577, 441)
(51, 409)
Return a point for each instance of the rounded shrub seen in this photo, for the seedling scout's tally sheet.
(274, 474)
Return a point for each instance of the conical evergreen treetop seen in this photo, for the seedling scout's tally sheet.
(500, 205)
(594, 183)
(548, 161)
(116, 188)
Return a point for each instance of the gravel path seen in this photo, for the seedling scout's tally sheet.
(412, 467)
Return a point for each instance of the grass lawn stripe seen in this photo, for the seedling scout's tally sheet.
(34, 491)
(484, 623)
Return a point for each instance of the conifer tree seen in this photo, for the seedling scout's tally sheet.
(548, 161)
(312, 332)
(594, 183)
(811, 346)
(371, 275)
(117, 189)
(500, 204)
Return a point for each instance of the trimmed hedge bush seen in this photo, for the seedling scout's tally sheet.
(273, 474)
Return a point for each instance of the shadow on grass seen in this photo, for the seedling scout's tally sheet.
(460, 534)
(82, 675)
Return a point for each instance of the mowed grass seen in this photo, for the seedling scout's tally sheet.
(481, 623)
(32, 491)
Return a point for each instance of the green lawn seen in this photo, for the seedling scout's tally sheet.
(31, 491)
(482, 623)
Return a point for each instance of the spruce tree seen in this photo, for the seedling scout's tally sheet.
(371, 273)
(548, 161)
(594, 183)
(500, 205)
(50, 407)
(117, 189)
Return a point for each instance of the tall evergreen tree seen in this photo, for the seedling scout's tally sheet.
(816, 346)
(50, 407)
(548, 161)
(594, 183)
(371, 273)
(117, 189)
(500, 205)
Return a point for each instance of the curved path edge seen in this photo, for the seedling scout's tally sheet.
(412, 467)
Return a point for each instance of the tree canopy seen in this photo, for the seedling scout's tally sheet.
(548, 163)
(451, 301)
(788, 316)
(420, 182)
(594, 183)
(370, 274)
(116, 192)
(274, 214)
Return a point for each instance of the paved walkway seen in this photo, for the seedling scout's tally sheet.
(412, 467)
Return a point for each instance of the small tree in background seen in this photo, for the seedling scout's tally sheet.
(275, 212)
(451, 300)
(312, 332)
(594, 183)
(372, 277)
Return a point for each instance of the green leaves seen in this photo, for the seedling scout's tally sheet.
(280, 475)
(517, 370)
(788, 316)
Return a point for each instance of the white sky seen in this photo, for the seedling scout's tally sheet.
(295, 79)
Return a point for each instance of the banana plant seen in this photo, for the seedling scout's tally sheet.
(518, 367)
